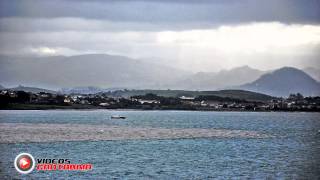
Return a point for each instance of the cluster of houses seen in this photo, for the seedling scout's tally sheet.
(295, 102)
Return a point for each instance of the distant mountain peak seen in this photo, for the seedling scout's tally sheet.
(283, 82)
(288, 69)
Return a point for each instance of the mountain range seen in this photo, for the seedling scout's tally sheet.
(88, 72)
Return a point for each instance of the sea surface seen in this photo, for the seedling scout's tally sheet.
(291, 152)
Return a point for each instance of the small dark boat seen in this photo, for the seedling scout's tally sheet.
(117, 117)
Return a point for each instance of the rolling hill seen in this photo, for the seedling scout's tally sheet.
(236, 94)
(32, 89)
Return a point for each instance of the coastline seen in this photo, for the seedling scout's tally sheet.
(92, 107)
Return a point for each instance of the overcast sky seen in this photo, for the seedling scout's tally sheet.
(198, 35)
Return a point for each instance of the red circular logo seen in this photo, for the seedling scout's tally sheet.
(25, 163)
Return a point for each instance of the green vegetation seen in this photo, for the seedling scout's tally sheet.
(236, 94)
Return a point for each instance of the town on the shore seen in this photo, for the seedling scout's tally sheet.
(11, 99)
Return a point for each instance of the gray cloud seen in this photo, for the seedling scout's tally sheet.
(200, 35)
(18, 24)
(168, 13)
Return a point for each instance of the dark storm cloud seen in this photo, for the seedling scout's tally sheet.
(167, 12)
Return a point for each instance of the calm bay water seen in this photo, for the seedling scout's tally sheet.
(292, 151)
